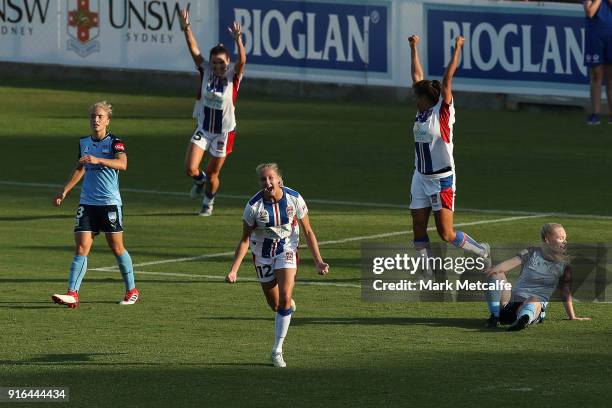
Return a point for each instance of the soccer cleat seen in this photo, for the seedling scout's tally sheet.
(593, 119)
(520, 323)
(131, 297)
(70, 299)
(492, 322)
(277, 360)
(293, 306)
(206, 210)
(197, 189)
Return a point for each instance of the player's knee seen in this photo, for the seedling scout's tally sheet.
(82, 250)
(273, 306)
(284, 302)
(117, 249)
(596, 75)
(213, 175)
(192, 171)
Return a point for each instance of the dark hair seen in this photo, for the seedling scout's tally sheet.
(430, 89)
(219, 49)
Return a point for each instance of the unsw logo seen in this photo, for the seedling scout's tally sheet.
(83, 26)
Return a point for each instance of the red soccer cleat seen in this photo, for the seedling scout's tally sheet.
(131, 297)
(70, 299)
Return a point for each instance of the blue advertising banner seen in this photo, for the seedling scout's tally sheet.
(508, 44)
(325, 35)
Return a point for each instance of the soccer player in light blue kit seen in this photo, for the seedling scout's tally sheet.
(542, 269)
(101, 157)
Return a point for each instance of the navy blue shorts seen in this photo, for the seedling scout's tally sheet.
(597, 48)
(96, 218)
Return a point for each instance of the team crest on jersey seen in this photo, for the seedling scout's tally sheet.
(220, 145)
(83, 24)
(290, 212)
(289, 257)
(263, 216)
(112, 216)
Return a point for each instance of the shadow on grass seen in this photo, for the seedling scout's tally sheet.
(463, 323)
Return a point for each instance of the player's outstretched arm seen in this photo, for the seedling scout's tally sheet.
(241, 250)
(313, 244)
(566, 291)
(75, 177)
(504, 267)
(447, 80)
(236, 32)
(192, 44)
(118, 163)
(591, 7)
(415, 62)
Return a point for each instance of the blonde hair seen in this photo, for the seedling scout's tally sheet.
(105, 106)
(548, 228)
(272, 166)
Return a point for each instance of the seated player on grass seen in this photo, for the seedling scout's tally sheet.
(542, 269)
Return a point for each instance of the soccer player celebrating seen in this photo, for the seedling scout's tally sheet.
(270, 223)
(214, 111)
(433, 181)
(101, 157)
(542, 269)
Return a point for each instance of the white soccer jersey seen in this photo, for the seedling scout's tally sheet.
(433, 139)
(215, 106)
(276, 224)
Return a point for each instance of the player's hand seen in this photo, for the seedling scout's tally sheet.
(413, 40)
(184, 19)
(491, 271)
(581, 318)
(57, 200)
(231, 277)
(322, 268)
(459, 41)
(89, 159)
(235, 30)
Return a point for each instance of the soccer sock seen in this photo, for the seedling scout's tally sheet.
(281, 325)
(464, 241)
(209, 198)
(200, 178)
(127, 270)
(493, 299)
(528, 310)
(423, 249)
(77, 272)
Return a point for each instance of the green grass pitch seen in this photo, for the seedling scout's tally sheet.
(196, 341)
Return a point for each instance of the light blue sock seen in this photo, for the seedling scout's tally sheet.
(493, 299)
(527, 310)
(78, 268)
(464, 241)
(127, 270)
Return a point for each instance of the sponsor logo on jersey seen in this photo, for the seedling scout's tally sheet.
(263, 216)
(289, 256)
(290, 212)
(119, 147)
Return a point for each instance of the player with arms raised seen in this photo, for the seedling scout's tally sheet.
(214, 111)
(271, 224)
(433, 181)
(101, 157)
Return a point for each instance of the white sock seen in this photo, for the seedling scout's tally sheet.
(281, 325)
(423, 250)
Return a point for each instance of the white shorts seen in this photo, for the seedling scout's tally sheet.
(265, 268)
(432, 191)
(217, 144)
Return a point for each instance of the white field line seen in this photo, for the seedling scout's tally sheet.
(323, 243)
(222, 278)
(332, 202)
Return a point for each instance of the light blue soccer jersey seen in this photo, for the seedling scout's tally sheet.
(539, 276)
(100, 183)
